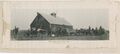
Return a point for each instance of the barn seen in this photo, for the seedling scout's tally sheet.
(51, 24)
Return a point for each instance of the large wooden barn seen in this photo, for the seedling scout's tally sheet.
(51, 24)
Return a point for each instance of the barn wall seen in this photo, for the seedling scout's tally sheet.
(54, 27)
(41, 23)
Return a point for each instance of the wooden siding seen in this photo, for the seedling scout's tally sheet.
(40, 23)
(54, 27)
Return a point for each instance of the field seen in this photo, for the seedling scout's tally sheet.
(22, 36)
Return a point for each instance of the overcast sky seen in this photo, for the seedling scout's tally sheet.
(79, 18)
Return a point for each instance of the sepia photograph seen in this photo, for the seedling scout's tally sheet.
(59, 24)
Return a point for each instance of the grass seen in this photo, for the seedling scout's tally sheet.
(21, 36)
(33, 37)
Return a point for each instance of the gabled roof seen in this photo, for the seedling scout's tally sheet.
(55, 20)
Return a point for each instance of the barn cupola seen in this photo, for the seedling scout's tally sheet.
(38, 13)
(53, 14)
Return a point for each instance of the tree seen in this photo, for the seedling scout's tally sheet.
(101, 30)
(96, 31)
(89, 30)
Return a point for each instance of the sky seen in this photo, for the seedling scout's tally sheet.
(79, 18)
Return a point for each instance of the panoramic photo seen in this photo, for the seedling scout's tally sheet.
(59, 24)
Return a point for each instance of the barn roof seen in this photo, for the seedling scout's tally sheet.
(55, 20)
